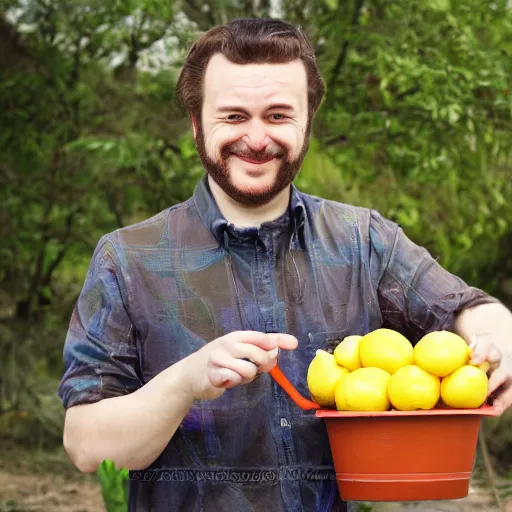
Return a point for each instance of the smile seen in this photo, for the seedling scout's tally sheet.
(252, 161)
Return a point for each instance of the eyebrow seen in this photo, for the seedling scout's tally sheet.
(235, 108)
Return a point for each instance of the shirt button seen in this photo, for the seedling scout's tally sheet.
(284, 423)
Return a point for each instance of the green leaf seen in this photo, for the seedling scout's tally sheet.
(439, 5)
(114, 484)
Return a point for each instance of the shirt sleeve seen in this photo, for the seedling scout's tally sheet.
(100, 352)
(416, 294)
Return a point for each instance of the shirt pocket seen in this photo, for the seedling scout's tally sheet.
(327, 341)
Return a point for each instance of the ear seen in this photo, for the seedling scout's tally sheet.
(195, 124)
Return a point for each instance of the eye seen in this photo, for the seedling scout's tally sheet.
(277, 117)
(234, 117)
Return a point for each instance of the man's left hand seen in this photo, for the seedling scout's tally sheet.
(500, 373)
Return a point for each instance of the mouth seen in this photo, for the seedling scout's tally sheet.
(254, 161)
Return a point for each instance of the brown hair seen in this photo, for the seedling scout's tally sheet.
(249, 41)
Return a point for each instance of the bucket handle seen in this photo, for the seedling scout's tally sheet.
(281, 379)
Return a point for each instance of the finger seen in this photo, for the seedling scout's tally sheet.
(260, 339)
(225, 378)
(263, 359)
(245, 369)
(503, 401)
(494, 356)
(274, 353)
(247, 351)
(272, 356)
(285, 341)
(272, 361)
(481, 350)
(498, 378)
(266, 341)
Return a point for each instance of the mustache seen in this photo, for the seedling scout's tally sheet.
(242, 149)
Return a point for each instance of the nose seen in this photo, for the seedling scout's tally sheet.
(256, 137)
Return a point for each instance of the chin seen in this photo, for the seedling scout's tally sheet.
(254, 185)
(251, 185)
(256, 192)
(253, 178)
(252, 192)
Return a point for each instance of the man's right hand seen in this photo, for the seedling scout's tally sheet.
(234, 359)
(134, 429)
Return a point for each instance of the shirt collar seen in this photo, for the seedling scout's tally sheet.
(217, 223)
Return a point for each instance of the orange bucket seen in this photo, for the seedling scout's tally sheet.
(404, 456)
(399, 455)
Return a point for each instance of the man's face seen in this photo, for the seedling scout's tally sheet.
(253, 133)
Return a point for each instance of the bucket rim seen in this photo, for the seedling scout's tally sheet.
(485, 410)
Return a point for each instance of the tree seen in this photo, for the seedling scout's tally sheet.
(415, 123)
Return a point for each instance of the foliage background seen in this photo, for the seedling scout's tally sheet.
(416, 123)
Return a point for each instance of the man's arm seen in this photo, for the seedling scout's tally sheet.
(491, 325)
(111, 413)
(131, 430)
(417, 295)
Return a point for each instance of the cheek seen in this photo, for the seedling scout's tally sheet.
(218, 139)
(213, 145)
(290, 137)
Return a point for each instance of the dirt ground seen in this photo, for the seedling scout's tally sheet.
(48, 493)
(33, 480)
(54, 493)
(478, 499)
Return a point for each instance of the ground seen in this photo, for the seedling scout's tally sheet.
(48, 493)
(39, 480)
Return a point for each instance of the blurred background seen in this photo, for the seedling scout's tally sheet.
(417, 124)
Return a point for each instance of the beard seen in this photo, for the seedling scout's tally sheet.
(219, 171)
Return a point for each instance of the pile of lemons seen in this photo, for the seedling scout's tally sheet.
(382, 371)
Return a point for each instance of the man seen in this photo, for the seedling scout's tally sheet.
(182, 316)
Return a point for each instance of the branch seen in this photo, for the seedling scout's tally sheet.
(344, 48)
(74, 76)
(9, 409)
(336, 139)
(143, 20)
(35, 280)
(111, 200)
(46, 279)
(408, 92)
(193, 12)
(490, 470)
(75, 70)
(169, 145)
(38, 272)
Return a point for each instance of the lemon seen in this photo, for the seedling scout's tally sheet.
(323, 374)
(441, 353)
(364, 389)
(465, 388)
(347, 353)
(412, 388)
(385, 349)
(485, 366)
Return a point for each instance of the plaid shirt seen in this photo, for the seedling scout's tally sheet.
(159, 290)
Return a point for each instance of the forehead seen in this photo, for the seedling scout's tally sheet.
(226, 81)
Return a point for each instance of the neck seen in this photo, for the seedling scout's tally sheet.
(248, 216)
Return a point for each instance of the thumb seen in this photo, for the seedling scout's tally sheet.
(482, 347)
